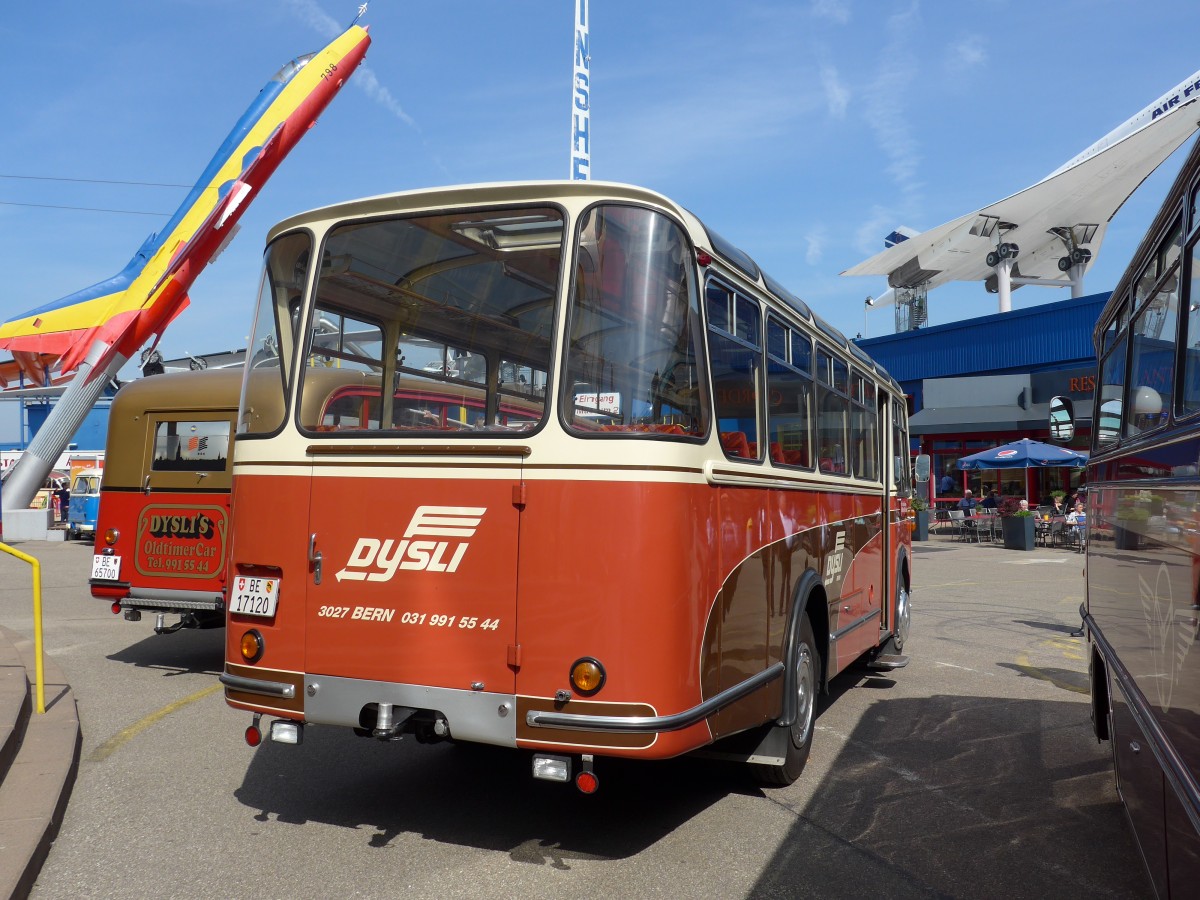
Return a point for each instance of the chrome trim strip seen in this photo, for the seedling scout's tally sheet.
(258, 686)
(139, 593)
(1176, 772)
(861, 620)
(215, 604)
(642, 724)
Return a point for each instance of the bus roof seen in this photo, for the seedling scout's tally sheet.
(451, 196)
(206, 389)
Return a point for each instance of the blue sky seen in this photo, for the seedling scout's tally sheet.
(802, 131)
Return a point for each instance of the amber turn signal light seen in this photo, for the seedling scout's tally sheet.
(587, 676)
(111, 536)
(252, 646)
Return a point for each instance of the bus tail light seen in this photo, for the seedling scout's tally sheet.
(111, 536)
(252, 646)
(587, 676)
(253, 733)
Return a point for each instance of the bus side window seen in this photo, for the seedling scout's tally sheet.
(735, 363)
(1189, 400)
(1112, 383)
(789, 392)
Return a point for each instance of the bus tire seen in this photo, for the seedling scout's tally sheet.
(806, 661)
(903, 610)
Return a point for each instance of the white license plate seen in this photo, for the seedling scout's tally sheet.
(106, 568)
(254, 596)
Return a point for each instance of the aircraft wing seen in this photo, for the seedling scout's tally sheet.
(1069, 208)
(124, 311)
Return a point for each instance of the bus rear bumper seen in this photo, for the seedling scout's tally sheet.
(654, 724)
(486, 718)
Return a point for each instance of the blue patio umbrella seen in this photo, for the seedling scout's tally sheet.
(1024, 454)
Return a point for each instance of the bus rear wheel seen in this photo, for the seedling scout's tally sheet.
(806, 686)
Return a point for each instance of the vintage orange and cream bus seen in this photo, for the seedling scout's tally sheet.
(552, 466)
(163, 526)
(1142, 537)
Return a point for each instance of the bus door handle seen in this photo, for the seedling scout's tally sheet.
(314, 558)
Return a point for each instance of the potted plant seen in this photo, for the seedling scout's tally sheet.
(1017, 525)
(920, 510)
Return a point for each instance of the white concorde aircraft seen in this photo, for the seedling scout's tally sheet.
(1046, 234)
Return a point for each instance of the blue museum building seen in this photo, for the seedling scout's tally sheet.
(982, 382)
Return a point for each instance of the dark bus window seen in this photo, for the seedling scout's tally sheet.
(1189, 400)
(1112, 385)
(1152, 367)
(190, 447)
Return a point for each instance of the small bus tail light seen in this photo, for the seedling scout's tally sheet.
(552, 768)
(253, 735)
(116, 607)
(587, 676)
(111, 536)
(252, 646)
(587, 782)
(285, 731)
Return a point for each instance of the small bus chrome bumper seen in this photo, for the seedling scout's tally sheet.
(258, 686)
(640, 724)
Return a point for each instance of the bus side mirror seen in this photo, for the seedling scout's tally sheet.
(921, 469)
(1062, 419)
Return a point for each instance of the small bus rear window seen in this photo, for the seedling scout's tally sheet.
(191, 446)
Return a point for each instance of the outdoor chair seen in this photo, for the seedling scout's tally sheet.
(1058, 534)
(972, 529)
(957, 522)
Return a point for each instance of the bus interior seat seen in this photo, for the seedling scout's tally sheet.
(736, 444)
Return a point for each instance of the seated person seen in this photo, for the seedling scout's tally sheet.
(1024, 506)
(1077, 519)
(967, 503)
(991, 501)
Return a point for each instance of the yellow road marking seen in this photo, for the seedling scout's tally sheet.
(122, 737)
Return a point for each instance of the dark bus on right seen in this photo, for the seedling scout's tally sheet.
(1142, 538)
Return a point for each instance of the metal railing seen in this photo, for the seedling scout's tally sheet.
(39, 673)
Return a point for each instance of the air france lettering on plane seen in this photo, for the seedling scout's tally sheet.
(386, 556)
(1174, 100)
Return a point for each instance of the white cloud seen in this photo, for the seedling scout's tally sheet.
(309, 12)
(888, 118)
(967, 53)
(837, 95)
(869, 237)
(836, 11)
(814, 246)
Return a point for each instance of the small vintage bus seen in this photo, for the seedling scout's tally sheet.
(84, 505)
(163, 527)
(553, 466)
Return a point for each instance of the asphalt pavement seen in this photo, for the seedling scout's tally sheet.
(970, 773)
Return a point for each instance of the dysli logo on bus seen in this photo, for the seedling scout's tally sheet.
(376, 560)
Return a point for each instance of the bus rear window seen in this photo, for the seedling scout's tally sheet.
(190, 447)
